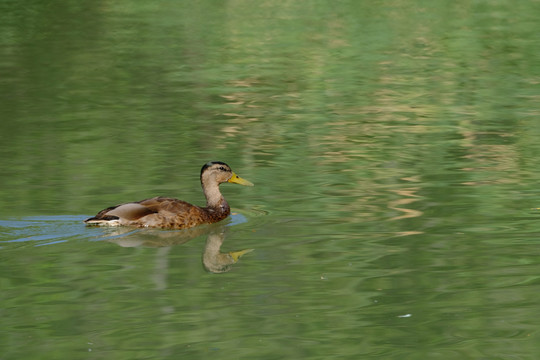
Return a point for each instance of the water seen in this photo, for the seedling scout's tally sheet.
(393, 147)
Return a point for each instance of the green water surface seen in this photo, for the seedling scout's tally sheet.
(394, 150)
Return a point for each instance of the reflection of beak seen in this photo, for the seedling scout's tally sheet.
(237, 254)
(235, 179)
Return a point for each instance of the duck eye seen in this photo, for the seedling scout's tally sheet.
(222, 168)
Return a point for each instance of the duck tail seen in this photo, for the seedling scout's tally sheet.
(108, 220)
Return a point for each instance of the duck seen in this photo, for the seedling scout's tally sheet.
(170, 213)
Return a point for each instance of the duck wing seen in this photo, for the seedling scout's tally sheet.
(129, 211)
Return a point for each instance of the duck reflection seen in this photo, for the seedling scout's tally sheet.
(213, 259)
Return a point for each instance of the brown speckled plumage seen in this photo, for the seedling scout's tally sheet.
(170, 213)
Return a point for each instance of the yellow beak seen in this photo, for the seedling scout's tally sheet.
(237, 254)
(235, 179)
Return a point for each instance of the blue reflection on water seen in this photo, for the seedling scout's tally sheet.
(45, 230)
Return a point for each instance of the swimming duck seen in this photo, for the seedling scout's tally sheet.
(170, 213)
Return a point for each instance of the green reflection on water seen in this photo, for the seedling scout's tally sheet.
(393, 145)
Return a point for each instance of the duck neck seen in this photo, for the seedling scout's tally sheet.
(214, 199)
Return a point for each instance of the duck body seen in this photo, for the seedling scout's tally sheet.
(159, 212)
(170, 213)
